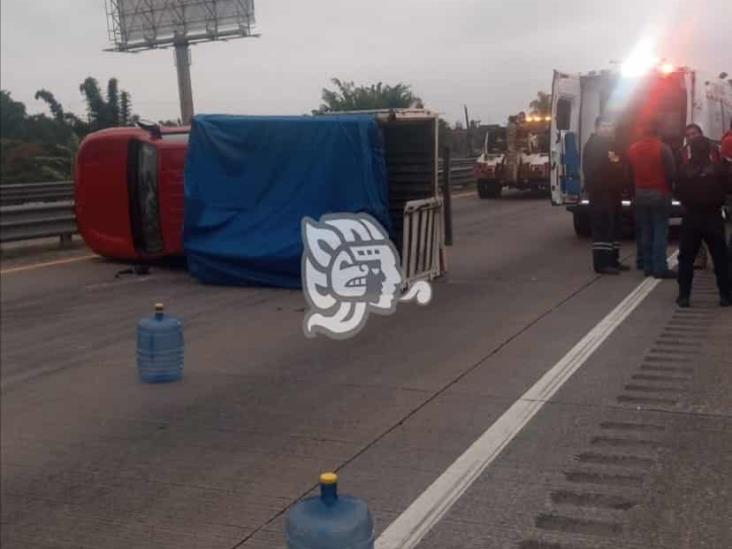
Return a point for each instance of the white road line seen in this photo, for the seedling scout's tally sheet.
(427, 510)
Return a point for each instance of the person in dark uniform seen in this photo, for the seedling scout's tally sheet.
(701, 188)
(726, 153)
(604, 176)
(691, 132)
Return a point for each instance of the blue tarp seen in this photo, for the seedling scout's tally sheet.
(249, 181)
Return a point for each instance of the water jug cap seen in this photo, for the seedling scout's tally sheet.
(159, 307)
(328, 478)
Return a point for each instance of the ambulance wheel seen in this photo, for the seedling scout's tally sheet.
(582, 226)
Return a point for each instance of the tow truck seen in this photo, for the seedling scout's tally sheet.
(516, 158)
(630, 96)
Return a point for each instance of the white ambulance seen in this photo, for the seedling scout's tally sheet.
(674, 96)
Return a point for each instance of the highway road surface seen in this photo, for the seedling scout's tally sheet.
(531, 405)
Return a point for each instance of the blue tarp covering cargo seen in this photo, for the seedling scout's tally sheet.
(250, 180)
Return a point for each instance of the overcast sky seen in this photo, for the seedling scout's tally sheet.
(493, 55)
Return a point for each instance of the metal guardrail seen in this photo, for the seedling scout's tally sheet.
(24, 193)
(37, 210)
(29, 221)
(40, 210)
(461, 171)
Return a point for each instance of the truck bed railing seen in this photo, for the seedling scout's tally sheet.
(422, 250)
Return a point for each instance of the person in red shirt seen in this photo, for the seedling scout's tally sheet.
(653, 170)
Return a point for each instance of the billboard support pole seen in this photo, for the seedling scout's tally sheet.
(185, 89)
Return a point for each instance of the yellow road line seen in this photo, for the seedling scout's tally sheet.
(463, 195)
(46, 264)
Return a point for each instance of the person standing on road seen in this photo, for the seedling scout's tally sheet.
(653, 171)
(701, 189)
(691, 132)
(604, 179)
(726, 153)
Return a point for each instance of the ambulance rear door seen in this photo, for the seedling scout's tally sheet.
(564, 153)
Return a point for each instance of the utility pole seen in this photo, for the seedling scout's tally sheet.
(469, 134)
(185, 89)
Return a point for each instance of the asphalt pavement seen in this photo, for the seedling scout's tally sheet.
(91, 458)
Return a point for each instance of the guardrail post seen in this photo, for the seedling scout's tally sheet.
(446, 194)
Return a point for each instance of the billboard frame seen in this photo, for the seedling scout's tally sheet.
(210, 25)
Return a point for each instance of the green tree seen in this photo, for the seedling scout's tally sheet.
(67, 121)
(113, 103)
(56, 109)
(125, 109)
(42, 148)
(542, 105)
(12, 117)
(347, 96)
(95, 105)
(105, 112)
(444, 134)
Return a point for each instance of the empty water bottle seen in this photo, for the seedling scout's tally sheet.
(159, 347)
(330, 521)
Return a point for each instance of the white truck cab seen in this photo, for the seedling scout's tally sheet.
(518, 163)
(673, 96)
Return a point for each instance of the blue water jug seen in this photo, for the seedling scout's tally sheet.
(330, 521)
(160, 347)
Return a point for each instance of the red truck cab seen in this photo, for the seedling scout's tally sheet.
(128, 187)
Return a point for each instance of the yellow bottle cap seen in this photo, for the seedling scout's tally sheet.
(328, 478)
(159, 307)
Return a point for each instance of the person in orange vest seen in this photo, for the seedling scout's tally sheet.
(652, 170)
(701, 189)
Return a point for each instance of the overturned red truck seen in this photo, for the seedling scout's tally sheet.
(130, 192)
(128, 187)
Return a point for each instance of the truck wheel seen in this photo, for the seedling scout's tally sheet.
(489, 189)
(582, 226)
